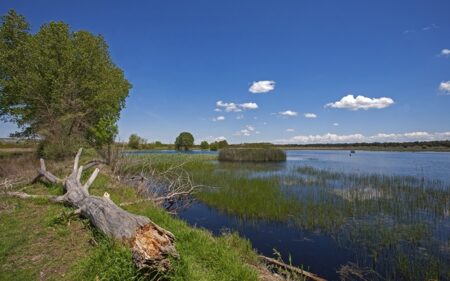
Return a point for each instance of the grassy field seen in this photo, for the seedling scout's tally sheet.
(41, 240)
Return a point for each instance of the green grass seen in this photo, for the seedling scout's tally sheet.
(37, 236)
(267, 154)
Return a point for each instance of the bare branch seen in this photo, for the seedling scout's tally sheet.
(291, 268)
(77, 159)
(42, 172)
(23, 195)
(79, 172)
(42, 164)
(91, 179)
(93, 163)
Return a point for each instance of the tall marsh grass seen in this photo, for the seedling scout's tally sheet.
(268, 154)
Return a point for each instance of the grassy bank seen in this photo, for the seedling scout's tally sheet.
(41, 240)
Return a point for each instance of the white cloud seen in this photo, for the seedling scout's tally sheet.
(430, 27)
(361, 102)
(445, 87)
(247, 131)
(288, 113)
(263, 86)
(228, 106)
(240, 116)
(250, 128)
(381, 137)
(336, 124)
(445, 52)
(248, 105)
(219, 118)
(233, 107)
(212, 138)
(290, 130)
(310, 115)
(217, 110)
(423, 29)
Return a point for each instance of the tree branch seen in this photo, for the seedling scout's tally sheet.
(23, 195)
(91, 179)
(42, 172)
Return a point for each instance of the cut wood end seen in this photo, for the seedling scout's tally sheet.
(152, 249)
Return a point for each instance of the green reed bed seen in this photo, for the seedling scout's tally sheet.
(252, 154)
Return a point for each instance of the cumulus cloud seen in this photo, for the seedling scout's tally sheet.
(288, 113)
(219, 118)
(361, 102)
(445, 52)
(212, 138)
(445, 87)
(310, 115)
(264, 86)
(248, 105)
(336, 124)
(354, 138)
(233, 107)
(228, 106)
(247, 131)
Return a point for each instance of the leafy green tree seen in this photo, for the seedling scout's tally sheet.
(57, 84)
(204, 145)
(158, 143)
(213, 146)
(135, 141)
(222, 144)
(184, 141)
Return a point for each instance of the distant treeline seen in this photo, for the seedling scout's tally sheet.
(417, 145)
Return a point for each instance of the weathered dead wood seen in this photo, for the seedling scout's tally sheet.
(291, 268)
(151, 245)
(170, 189)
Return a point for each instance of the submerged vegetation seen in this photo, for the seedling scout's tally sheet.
(252, 154)
(396, 225)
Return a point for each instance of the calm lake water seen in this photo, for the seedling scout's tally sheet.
(323, 252)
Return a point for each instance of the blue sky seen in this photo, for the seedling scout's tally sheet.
(186, 57)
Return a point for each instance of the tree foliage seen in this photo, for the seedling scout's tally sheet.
(214, 146)
(135, 141)
(184, 141)
(58, 84)
(204, 145)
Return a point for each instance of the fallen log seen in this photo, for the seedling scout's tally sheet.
(151, 245)
(290, 268)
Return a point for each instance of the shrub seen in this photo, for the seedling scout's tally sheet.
(252, 154)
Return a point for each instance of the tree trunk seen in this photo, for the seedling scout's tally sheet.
(151, 245)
